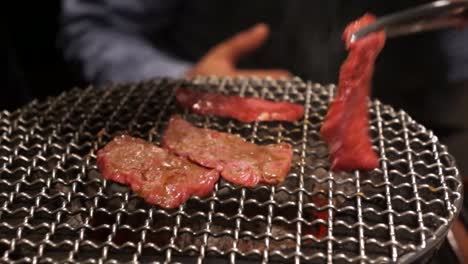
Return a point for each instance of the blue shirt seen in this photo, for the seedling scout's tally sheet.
(107, 39)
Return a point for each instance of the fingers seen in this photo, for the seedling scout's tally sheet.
(221, 60)
(275, 74)
(243, 43)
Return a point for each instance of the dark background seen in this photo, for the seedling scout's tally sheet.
(35, 65)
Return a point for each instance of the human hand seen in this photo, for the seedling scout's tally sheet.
(221, 59)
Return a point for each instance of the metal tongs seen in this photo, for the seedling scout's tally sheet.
(431, 16)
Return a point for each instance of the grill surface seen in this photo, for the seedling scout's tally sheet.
(55, 207)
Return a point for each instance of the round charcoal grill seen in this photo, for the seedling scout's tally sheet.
(55, 207)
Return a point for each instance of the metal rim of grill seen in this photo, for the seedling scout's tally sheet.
(55, 207)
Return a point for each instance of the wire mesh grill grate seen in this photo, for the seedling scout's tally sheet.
(55, 207)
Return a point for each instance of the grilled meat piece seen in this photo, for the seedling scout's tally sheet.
(240, 108)
(239, 162)
(155, 174)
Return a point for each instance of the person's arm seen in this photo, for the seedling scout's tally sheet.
(106, 38)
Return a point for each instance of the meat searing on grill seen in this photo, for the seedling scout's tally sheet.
(239, 162)
(155, 174)
(346, 125)
(240, 108)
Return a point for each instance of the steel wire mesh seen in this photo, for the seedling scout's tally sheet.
(55, 206)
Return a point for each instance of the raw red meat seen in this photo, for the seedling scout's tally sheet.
(240, 108)
(239, 162)
(346, 126)
(158, 176)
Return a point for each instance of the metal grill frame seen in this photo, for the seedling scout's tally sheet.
(47, 167)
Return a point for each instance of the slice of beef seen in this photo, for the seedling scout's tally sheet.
(240, 108)
(239, 162)
(155, 174)
(346, 126)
